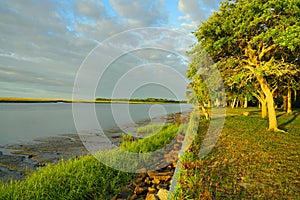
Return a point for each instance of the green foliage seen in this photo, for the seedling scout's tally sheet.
(151, 100)
(253, 43)
(270, 28)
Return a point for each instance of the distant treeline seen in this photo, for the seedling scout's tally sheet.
(152, 100)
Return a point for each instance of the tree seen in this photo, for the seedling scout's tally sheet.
(198, 92)
(206, 85)
(255, 39)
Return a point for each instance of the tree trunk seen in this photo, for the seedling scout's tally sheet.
(209, 104)
(241, 103)
(237, 104)
(233, 103)
(289, 101)
(270, 103)
(295, 95)
(217, 102)
(204, 111)
(264, 111)
(285, 103)
(246, 103)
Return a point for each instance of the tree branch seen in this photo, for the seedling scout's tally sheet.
(257, 96)
(265, 50)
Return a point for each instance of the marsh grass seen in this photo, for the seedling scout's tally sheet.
(158, 139)
(82, 178)
(148, 130)
(86, 177)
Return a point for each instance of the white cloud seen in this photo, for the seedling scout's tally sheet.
(196, 11)
(50, 39)
(91, 8)
(141, 13)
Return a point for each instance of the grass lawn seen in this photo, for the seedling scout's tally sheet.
(247, 162)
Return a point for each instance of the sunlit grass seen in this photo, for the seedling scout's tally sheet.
(158, 139)
(248, 162)
(83, 178)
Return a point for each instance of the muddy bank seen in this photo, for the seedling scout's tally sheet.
(20, 159)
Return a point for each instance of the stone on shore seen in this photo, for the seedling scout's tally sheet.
(163, 194)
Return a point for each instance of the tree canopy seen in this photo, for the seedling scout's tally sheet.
(254, 42)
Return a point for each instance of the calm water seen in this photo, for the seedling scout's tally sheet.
(21, 122)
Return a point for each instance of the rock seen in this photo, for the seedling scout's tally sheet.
(151, 197)
(134, 196)
(30, 156)
(139, 190)
(123, 195)
(160, 175)
(177, 146)
(141, 171)
(246, 113)
(163, 194)
(180, 138)
(174, 164)
(147, 180)
(162, 186)
(156, 181)
(140, 179)
(151, 190)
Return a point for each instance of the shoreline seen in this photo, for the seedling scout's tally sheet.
(58, 100)
(16, 160)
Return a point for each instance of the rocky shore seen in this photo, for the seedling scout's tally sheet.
(153, 185)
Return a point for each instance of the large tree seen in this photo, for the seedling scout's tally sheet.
(255, 39)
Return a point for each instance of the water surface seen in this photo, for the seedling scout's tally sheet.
(24, 122)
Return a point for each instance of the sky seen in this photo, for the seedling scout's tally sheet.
(46, 44)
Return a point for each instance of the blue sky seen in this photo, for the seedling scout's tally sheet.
(43, 43)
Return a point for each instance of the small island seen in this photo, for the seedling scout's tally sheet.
(143, 101)
(97, 100)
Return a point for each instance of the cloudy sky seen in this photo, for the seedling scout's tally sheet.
(43, 44)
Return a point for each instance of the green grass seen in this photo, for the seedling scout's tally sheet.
(83, 178)
(86, 177)
(149, 130)
(161, 136)
(248, 162)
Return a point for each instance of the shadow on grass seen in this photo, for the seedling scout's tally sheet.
(255, 112)
(281, 114)
(283, 125)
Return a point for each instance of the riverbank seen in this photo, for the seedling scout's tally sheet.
(85, 177)
(19, 160)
